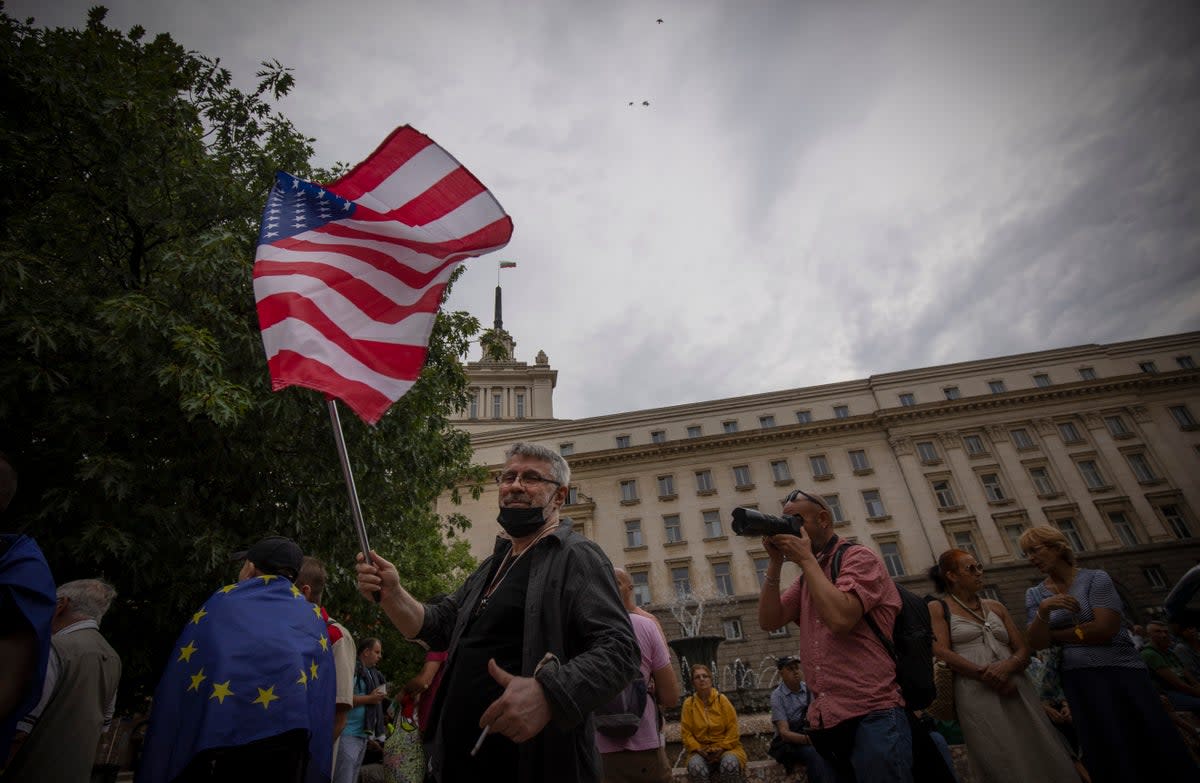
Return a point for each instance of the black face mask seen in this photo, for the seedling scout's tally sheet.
(521, 522)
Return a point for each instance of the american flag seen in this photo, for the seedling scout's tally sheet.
(348, 277)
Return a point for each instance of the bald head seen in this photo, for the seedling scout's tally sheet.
(625, 588)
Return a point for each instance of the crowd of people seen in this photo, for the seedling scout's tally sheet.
(541, 666)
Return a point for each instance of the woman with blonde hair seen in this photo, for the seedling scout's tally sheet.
(1007, 734)
(709, 729)
(1124, 731)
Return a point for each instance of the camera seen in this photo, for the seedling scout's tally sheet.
(751, 522)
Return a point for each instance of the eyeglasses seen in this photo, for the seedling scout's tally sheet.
(526, 479)
(797, 493)
(1033, 550)
(973, 568)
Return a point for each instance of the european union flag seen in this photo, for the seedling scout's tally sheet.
(27, 598)
(254, 662)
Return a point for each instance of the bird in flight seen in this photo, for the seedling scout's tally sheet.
(660, 21)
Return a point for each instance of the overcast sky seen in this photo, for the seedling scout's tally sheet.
(818, 191)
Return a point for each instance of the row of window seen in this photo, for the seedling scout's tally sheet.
(1042, 380)
(1042, 480)
(973, 444)
(890, 553)
(497, 404)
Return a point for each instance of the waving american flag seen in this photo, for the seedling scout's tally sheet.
(348, 277)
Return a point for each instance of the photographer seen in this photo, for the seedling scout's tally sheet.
(856, 719)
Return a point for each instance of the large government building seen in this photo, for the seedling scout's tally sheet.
(1099, 441)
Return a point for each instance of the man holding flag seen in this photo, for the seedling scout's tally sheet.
(538, 639)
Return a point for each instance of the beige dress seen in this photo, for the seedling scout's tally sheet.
(1009, 738)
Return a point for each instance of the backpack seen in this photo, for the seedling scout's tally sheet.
(620, 718)
(911, 645)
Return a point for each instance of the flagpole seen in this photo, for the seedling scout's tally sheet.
(355, 508)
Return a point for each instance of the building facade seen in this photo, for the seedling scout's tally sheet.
(1100, 441)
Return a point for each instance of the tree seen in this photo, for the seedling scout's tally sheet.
(134, 396)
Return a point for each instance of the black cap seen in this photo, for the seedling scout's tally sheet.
(274, 555)
(786, 660)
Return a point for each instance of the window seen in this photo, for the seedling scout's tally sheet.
(1069, 432)
(704, 481)
(951, 392)
(841, 411)
(729, 427)
(766, 421)
(712, 525)
(681, 580)
(1148, 367)
(641, 587)
(1155, 576)
(1041, 379)
(496, 406)
(944, 494)
(622, 441)
(820, 467)
(780, 631)
(1042, 481)
(928, 452)
(996, 387)
(1066, 526)
(566, 449)
(658, 436)
(629, 493)
(1175, 521)
(1123, 528)
(973, 444)
(873, 503)
(572, 496)
(1116, 427)
(474, 406)
(780, 471)
(1185, 362)
(733, 628)
(741, 477)
(760, 569)
(1013, 534)
(633, 533)
(858, 460)
(722, 579)
(520, 404)
(835, 507)
(1021, 439)
(965, 540)
(1087, 374)
(1183, 417)
(803, 417)
(693, 431)
(666, 486)
(908, 399)
(891, 558)
(992, 487)
(1091, 474)
(1141, 468)
(672, 528)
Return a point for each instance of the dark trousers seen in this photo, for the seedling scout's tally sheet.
(282, 758)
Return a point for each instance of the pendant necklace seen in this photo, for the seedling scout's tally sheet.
(983, 620)
(506, 565)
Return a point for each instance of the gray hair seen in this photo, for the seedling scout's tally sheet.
(558, 465)
(88, 597)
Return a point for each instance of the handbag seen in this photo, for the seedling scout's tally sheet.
(943, 707)
(403, 755)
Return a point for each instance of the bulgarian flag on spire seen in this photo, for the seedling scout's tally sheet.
(507, 264)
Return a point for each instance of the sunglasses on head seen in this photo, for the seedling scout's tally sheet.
(799, 493)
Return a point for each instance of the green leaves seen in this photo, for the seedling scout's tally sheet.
(134, 395)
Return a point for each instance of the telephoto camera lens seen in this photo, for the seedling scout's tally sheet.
(752, 522)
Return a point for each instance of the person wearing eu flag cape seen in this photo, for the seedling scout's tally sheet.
(248, 691)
